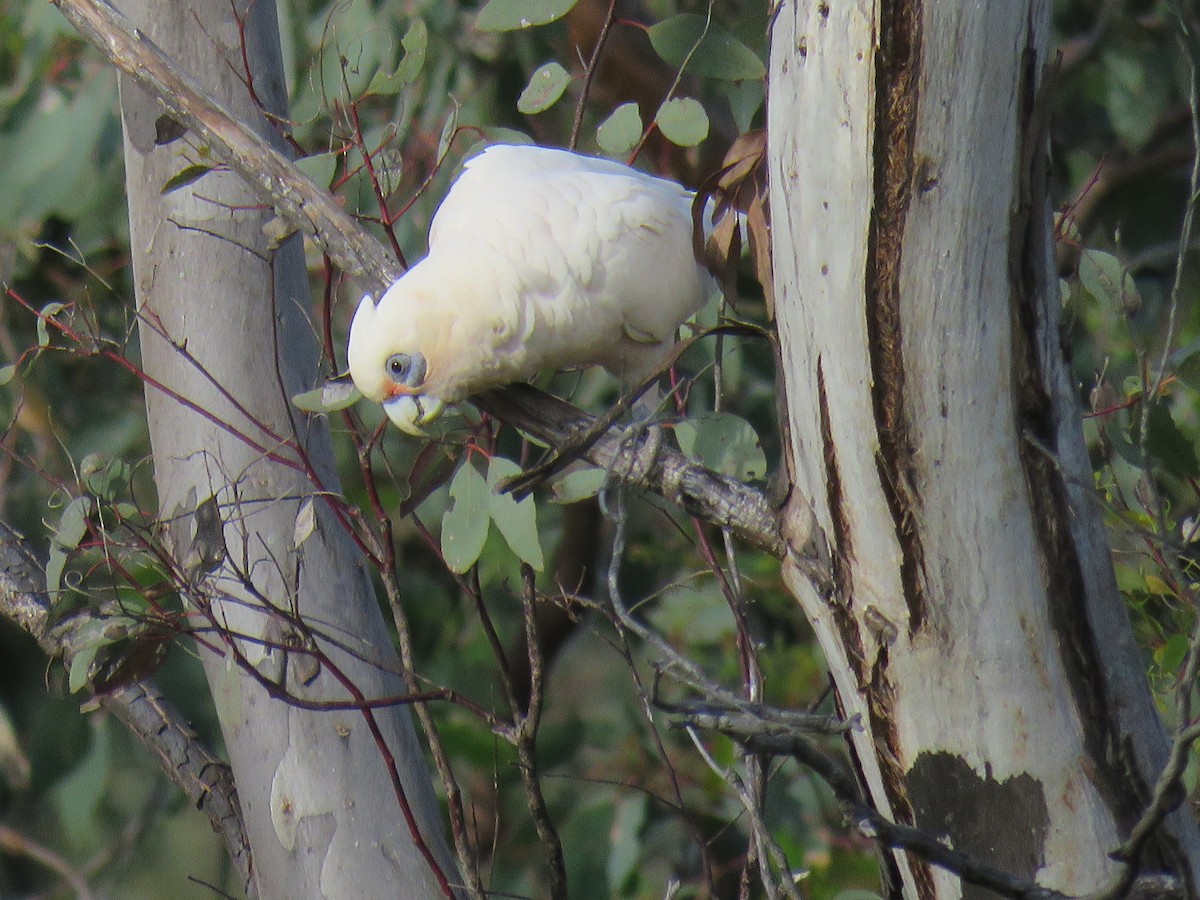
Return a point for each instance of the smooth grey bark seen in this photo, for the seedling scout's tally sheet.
(224, 325)
(973, 622)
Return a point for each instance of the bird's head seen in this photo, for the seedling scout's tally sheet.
(392, 365)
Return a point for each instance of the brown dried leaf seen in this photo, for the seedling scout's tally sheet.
(759, 226)
(739, 186)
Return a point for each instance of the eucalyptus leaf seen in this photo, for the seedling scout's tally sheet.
(516, 521)
(448, 131)
(723, 443)
(718, 54)
(81, 665)
(320, 167)
(625, 835)
(103, 477)
(1185, 363)
(46, 313)
(185, 176)
(1107, 279)
(72, 524)
(56, 563)
(513, 15)
(545, 86)
(330, 397)
(578, 485)
(7, 373)
(620, 132)
(682, 121)
(415, 44)
(465, 523)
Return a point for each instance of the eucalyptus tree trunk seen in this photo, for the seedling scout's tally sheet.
(972, 621)
(224, 325)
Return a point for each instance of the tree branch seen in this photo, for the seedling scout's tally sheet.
(300, 201)
(634, 460)
(187, 762)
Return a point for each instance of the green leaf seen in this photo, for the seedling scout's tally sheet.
(578, 485)
(449, 129)
(465, 524)
(81, 666)
(71, 528)
(723, 443)
(1108, 280)
(1134, 94)
(1170, 655)
(56, 563)
(517, 521)
(545, 86)
(627, 845)
(185, 176)
(103, 477)
(72, 525)
(512, 15)
(415, 43)
(620, 132)
(46, 313)
(319, 167)
(1169, 445)
(683, 121)
(718, 54)
(330, 397)
(7, 373)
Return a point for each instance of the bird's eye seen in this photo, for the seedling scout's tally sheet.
(407, 369)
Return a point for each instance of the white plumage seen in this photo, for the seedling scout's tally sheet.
(538, 259)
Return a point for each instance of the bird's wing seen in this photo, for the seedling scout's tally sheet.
(599, 250)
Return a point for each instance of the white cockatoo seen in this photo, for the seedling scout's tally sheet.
(538, 260)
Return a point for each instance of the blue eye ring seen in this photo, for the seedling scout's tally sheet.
(406, 368)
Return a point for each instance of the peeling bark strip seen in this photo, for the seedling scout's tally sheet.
(843, 550)
(897, 66)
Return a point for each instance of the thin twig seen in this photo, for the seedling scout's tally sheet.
(526, 729)
(589, 74)
(13, 843)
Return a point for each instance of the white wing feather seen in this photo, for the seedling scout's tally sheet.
(591, 261)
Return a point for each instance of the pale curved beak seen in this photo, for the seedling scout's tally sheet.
(410, 413)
